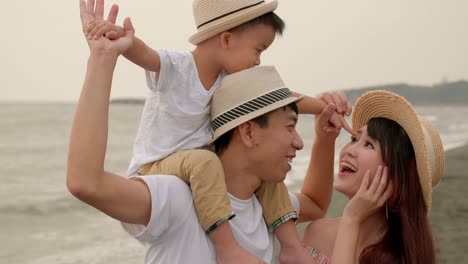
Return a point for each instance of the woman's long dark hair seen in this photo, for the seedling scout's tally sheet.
(408, 238)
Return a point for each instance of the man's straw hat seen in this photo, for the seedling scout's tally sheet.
(246, 95)
(424, 137)
(215, 16)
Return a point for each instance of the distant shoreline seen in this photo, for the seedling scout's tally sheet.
(137, 101)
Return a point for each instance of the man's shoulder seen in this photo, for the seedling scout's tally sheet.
(167, 185)
(169, 190)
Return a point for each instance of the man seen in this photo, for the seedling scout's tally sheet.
(254, 119)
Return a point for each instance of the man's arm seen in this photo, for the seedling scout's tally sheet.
(315, 195)
(121, 198)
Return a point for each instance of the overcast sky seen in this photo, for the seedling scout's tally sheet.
(328, 44)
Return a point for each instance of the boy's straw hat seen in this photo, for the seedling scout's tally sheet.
(424, 137)
(246, 95)
(215, 16)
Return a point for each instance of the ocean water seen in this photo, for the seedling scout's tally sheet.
(40, 222)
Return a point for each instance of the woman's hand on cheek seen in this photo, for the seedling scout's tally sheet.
(370, 197)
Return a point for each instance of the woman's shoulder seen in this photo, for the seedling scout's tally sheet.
(321, 233)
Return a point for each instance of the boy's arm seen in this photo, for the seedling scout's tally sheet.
(313, 105)
(143, 56)
(309, 105)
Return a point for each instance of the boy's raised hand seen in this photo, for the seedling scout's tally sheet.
(93, 23)
(92, 10)
(343, 107)
(106, 28)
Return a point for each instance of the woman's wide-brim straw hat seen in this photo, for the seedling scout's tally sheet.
(216, 16)
(424, 137)
(245, 95)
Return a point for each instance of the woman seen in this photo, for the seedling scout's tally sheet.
(383, 223)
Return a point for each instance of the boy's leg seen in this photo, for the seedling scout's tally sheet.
(276, 204)
(280, 215)
(203, 171)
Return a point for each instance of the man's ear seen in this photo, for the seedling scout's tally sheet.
(246, 133)
(225, 38)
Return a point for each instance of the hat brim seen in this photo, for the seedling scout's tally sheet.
(225, 128)
(231, 21)
(394, 107)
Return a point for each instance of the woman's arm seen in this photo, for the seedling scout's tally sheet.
(368, 200)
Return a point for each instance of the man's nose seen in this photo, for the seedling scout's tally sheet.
(297, 142)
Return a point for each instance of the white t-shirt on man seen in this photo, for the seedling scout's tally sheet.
(174, 234)
(176, 114)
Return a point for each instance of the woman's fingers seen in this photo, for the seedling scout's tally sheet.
(365, 182)
(383, 183)
(376, 180)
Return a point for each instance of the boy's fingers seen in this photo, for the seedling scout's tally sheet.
(94, 30)
(112, 35)
(338, 103)
(91, 24)
(326, 97)
(113, 13)
(102, 31)
(346, 104)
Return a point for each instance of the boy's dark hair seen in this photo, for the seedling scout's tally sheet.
(270, 19)
(223, 141)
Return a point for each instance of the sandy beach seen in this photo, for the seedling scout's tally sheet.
(449, 209)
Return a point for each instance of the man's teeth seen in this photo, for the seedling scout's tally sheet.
(289, 160)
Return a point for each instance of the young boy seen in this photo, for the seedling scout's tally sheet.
(231, 36)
